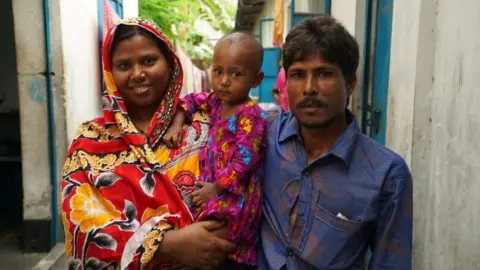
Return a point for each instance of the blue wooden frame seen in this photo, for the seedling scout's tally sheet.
(296, 17)
(374, 113)
(366, 64)
(270, 68)
(118, 6)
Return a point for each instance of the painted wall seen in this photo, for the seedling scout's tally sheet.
(130, 8)
(29, 38)
(433, 120)
(81, 62)
(351, 13)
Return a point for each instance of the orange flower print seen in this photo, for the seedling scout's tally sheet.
(90, 210)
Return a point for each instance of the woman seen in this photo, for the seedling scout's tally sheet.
(281, 87)
(125, 195)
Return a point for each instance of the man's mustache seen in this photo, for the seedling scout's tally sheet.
(311, 102)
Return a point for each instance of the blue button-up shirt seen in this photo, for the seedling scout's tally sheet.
(355, 197)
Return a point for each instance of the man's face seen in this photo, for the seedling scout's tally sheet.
(317, 91)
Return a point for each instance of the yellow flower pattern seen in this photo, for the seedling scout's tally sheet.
(90, 209)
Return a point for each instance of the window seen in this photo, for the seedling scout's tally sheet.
(118, 6)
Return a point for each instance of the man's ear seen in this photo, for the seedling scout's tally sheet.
(258, 79)
(351, 84)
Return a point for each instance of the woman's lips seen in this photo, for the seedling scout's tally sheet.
(140, 90)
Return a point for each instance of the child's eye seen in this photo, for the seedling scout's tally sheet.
(217, 71)
(235, 74)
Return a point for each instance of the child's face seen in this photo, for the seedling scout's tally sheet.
(233, 72)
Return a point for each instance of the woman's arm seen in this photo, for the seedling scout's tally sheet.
(208, 247)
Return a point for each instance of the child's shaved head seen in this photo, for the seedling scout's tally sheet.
(249, 44)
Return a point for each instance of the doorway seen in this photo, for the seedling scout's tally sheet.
(377, 66)
(11, 191)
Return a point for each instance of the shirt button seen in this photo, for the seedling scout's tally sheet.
(290, 253)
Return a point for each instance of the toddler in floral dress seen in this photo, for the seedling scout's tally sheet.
(231, 162)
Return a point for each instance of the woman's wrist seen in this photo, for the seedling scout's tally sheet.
(165, 248)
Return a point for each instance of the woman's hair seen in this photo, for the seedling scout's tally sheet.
(126, 32)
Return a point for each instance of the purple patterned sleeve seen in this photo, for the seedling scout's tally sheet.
(192, 103)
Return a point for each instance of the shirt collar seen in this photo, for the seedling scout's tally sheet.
(343, 147)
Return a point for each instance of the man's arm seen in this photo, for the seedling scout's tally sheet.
(392, 241)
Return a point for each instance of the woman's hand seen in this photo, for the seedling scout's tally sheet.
(199, 245)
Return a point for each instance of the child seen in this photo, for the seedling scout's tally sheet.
(231, 162)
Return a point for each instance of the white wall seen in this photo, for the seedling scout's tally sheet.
(130, 8)
(434, 120)
(345, 11)
(81, 62)
(351, 14)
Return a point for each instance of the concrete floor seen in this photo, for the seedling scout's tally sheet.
(11, 257)
(61, 264)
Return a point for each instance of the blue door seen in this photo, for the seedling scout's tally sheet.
(381, 66)
(375, 89)
(270, 68)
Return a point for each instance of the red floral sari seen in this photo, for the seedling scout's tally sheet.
(122, 190)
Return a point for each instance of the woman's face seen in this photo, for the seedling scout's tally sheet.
(140, 71)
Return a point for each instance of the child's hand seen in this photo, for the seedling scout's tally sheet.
(206, 192)
(173, 136)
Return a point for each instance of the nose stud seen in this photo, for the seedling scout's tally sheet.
(142, 75)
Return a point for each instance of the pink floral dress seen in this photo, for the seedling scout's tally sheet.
(233, 157)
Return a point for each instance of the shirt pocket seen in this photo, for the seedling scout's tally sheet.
(335, 222)
(334, 242)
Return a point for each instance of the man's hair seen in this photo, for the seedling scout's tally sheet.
(324, 36)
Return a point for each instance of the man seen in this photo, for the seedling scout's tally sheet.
(331, 193)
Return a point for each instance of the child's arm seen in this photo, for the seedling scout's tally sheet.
(202, 102)
(187, 107)
(250, 138)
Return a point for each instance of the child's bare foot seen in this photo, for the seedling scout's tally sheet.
(206, 192)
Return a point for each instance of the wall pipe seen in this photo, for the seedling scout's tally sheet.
(52, 150)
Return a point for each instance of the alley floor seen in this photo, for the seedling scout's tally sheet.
(11, 257)
(61, 264)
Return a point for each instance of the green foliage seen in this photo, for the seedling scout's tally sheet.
(177, 19)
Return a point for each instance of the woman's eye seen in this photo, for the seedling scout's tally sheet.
(149, 62)
(122, 66)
